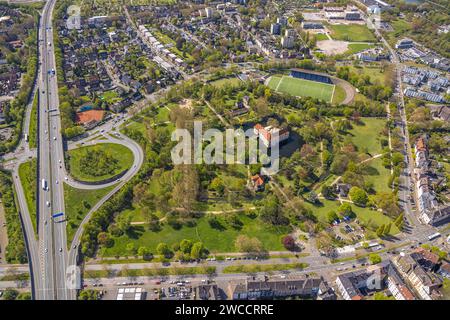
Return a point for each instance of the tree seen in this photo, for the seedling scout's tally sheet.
(10, 294)
(197, 250)
(380, 230)
(387, 229)
(345, 209)
(104, 239)
(24, 296)
(185, 246)
(271, 211)
(382, 296)
(289, 243)
(332, 216)
(358, 196)
(145, 253)
(399, 220)
(327, 192)
(163, 250)
(397, 158)
(88, 294)
(374, 258)
(217, 186)
(131, 249)
(247, 244)
(124, 222)
(312, 197)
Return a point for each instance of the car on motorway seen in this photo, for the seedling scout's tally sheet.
(57, 182)
(60, 249)
(47, 203)
(54, 138)
(45, 222)
(65, 178)
(46, 250)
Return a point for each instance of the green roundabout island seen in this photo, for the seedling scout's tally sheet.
(100, 162)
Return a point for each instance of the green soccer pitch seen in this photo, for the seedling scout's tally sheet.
(302, 88)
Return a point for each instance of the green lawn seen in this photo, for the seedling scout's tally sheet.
(234, 82)
(367, 137)
(401, 29)
(376, 173)
(165, 39)
(339, 95)
(33, 124)
(302, 88)
(352, 32)
(110, 96)
(163, 115)
(375, 74)
(27, 175)
(321, 36)
(358, 47)
(122, 154)
(363, 214)
(214, 240)
(78, 203)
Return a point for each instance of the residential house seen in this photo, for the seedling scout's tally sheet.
(256, 183)
(350, 284)
(306, 287)
(427, 259)
(397, 287)
(342, 189)
(241, 107)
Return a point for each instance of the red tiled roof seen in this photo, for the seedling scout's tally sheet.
(88, 116)
(420, 145)
(257, 180)
(406, 293)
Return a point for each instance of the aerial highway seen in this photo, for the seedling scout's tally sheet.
(52, 234)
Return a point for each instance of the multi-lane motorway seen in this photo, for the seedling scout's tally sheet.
(52, 236)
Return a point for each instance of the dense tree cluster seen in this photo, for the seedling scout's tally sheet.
(98, 163)
(15, 251)
(373, 90)
(422, 22)
(25, 59)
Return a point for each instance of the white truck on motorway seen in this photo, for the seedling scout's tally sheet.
(44, 184)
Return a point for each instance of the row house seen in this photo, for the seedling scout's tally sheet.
(307, 287)
(397, 286)
(425, 284)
